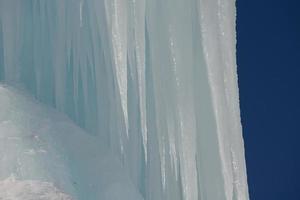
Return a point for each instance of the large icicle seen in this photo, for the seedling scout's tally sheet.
(117, 9)
(217, 19)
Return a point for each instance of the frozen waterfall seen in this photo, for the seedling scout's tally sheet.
(119, 100)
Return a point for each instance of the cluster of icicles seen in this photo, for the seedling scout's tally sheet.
(150, 87)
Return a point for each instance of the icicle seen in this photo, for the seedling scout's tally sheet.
(119, 41)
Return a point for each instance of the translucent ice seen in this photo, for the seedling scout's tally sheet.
(14, 189)
(44, 155)
(151, 82)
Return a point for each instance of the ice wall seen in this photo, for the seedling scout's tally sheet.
(155, 80)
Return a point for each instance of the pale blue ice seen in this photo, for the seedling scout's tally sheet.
(119, 100)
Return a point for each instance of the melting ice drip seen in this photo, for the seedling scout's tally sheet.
(152, 83)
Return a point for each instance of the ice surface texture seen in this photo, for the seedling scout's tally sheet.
(153, 83)
(11, 189)
(44, 154)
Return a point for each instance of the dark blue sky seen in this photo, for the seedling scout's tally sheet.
(268, 51)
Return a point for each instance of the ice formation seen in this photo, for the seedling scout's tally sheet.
(43, 151)
(150, 88)
(29, 190)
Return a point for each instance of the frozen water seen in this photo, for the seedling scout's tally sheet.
(28, 190)
(152, 83)
(44, 155)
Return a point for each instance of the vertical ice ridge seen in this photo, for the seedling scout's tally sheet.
(222, 79)
(119, 42)
(139, 33)
(213, 65)
(1, 51)
(81, 4)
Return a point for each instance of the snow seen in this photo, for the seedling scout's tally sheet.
(151, 84)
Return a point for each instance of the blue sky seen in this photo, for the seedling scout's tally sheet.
(268, 53)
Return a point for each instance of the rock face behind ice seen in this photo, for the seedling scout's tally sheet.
(43, 151)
